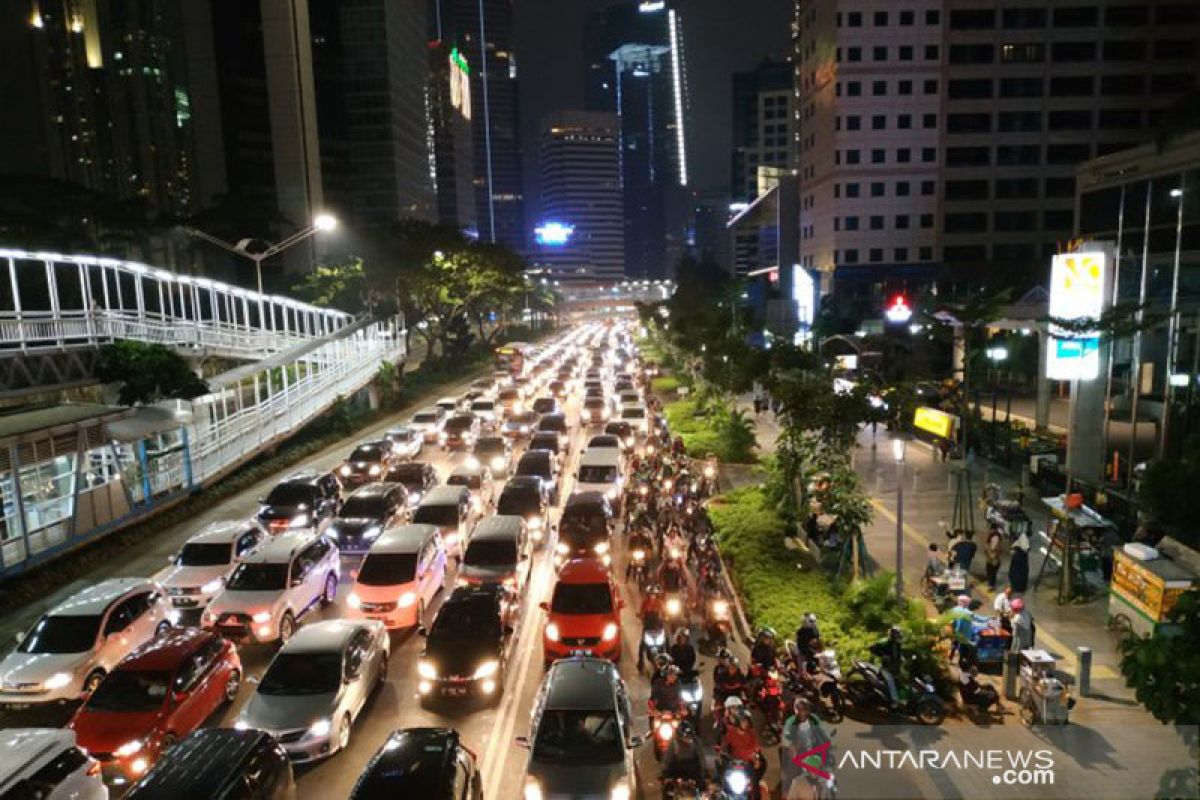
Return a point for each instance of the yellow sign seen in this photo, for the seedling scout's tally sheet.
(930, 420)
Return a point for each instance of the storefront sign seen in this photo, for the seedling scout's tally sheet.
(939, 423)
(1077, 283)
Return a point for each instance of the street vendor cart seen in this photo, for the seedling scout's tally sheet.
(1044, 698)
(1145, 587)
(1077, 537)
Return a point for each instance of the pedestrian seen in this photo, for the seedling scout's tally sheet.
(962, 551)
(1018, 564)
(1002, 605)
(760, 398)
(944, 448)
(993, 550)
(1024, 629)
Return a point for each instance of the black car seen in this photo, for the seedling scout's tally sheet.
(417, 478)
(367, 463)
(556, 423)
(493, 452)
(428, 763)
(545, 405)
(220, 764)
(467, 647)
(585, 528)
(549, 440)
(303, 500)
(460, 430)
(366, 513)
(526, 496)
(623, 431)
(542, 464)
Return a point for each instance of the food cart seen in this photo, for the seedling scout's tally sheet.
(1077, 534)
(1145, 587)
(1044, 698)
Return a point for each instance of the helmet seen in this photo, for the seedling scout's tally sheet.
(766, 632)
(662, 661)
(724, 655)
(810, 618)
(1018, 605)
(682, 633)
(672, 670)
(653, 589)
(732, 702)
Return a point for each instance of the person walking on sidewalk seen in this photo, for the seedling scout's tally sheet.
(1024, 629)
(760, 398)
(962, 549)
(993, 550)
(1018, 565)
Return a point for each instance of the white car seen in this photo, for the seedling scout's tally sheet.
(274, 587)
(71, 648)
(201, 567)
(317, 685)
(428, 423)
(406, 442)
(47, 764)
(637, 419)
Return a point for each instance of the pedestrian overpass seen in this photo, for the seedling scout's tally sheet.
(72, 471)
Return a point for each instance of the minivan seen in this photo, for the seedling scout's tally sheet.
(600, 471)
(497, 552)
(399, 577)
(449, 508)
(220, 764)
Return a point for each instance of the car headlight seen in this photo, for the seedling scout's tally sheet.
(129, 748)
(610, 631)
(58, 680)
(497, 462)
(407, 599)
(612, 493)
(620, 791)
(213, 586)
(443, 436)
(562, 548)
(320, 728)
(427, 670)
(737, 781)
(345, 470)
(473, 462)
(298, 521)
(262, 616)
(533, 790)
(353, 600)
(552, 632)
(375, 469)
(487, 669)
(372, 532)
(601, 548)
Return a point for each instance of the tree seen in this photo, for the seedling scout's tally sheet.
(1164, 669)
(340, 285)
(148, 373)
(1168, 493)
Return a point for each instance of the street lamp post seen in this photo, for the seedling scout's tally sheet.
(321, 223)
(898, 447)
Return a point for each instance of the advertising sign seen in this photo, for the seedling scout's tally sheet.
(460, 83)
(1077, 290)
(938, 423)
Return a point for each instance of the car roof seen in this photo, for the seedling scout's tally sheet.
(202, 765)
(97, 597)
(557, 416)
(409, 752)
(22, 748)
(583, 570)
(372, 443)
(223, 531)
(281, 547)
(605, 456)
(441, 495)
(166, 652)
(399, 429)
(373, 489)
(404, 539)
(535, 456)
(580, 684)
(428, 410)
(497, 527)
(585, 499)
(467, 469)
(308, 478)
(523, 483)
(323, 636)
(490, 438)
(629, 408)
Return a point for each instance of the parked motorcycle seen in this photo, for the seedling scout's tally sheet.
(866, 688)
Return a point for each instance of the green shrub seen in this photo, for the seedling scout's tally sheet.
(667, 384)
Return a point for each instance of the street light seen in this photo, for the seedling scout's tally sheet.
(322, 223)
(898, 447)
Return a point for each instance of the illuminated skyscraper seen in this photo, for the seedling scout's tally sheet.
(636, 69)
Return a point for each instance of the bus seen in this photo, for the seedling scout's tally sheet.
(511, 357)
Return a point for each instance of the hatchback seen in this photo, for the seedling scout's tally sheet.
(47, 764)
(400, 576)
(583, 616)
(366, 463)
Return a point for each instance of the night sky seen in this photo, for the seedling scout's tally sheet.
(720, 37)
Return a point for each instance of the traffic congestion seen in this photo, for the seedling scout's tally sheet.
(373, 624)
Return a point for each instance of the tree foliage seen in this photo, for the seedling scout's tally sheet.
(1164, 669)
(341, 285)
(1168, 493)
(148, 373)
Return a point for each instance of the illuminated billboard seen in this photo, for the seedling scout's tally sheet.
(553, 234)
(939, 423)
(460, 83)
(1077, 290)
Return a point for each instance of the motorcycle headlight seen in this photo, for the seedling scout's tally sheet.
(720, 606)
(601, 548)
(552, 632)
(665, 730)
(58, 680)
(129, 748)
(426, 670)
(610, 631)
(414, 498)
(692, 695)
(487, 669)
(345, 470)
(375, 469)
(737, 781)
(497, 462)
(298, 521)
(407, 599)
(562, 548)
(533, 790)
(639, 555)
(535, 524)
(262, 616)
(674, 606)
(353, 600)
(320, 728)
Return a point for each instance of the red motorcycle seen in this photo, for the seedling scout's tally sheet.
(767, 696)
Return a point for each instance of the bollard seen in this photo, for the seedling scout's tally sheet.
(1083, 670)
(1012, 668)
(915, 472)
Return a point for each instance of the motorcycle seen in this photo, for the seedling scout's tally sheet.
(767, 697)
(638, 572)
(822, 680)
(680, 789)
(665, 725)
(692, 692)
(654, 641)
(675, 609)
(738, 780)
(718, 620)
(866, 688)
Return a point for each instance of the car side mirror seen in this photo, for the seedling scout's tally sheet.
(522, 741)
(544, 606)
(20, 637)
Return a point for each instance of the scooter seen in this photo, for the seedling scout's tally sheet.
(654, 641)
(822, 680)
(692, 692)
(675, 609)
(737, 779)
(665, 725)
(718, 620)
(768, 697)
(866, 688)
(638, 572)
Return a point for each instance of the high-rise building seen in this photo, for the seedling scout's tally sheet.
(371, 66)
(483, 32)
(944, 136)
(580, 184)
(709, 239)
(636, 69)
(450, 115)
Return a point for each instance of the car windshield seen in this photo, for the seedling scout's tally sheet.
(578, 738)
(633, 413)
(407, 473)
(467, 620)
(400, 436)
(60, 633)
(471, 481)
(302, 673)
(508, 394)
(518, 502)
(204, 554)
(372, 506)
(594, 402)
(597, 473)
(290, 494)
(483, 405)
(367, 452)
(425, 417)
(445, 516)
(552, 423)
(489, 446)
(534, 463)
(387, 569)
(258, 578)
(491, 553)
(581, 598)
(130, 690)
(543, 405)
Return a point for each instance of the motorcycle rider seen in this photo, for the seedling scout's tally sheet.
(802, 732)
(651, 613)
(684, 759)
(741, 743)
(673, 577)
(807, 634)
(890, 653)
(666, 695)
(973, 692)
(683, 654)
(728, 679)
(639, 539)
(763, 652)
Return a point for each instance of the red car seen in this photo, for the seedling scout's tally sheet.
(154, 697)
(584, 613)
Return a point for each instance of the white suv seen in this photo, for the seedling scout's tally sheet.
(274, 586)
(201, 567)
(46, 763)
(70, 649)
